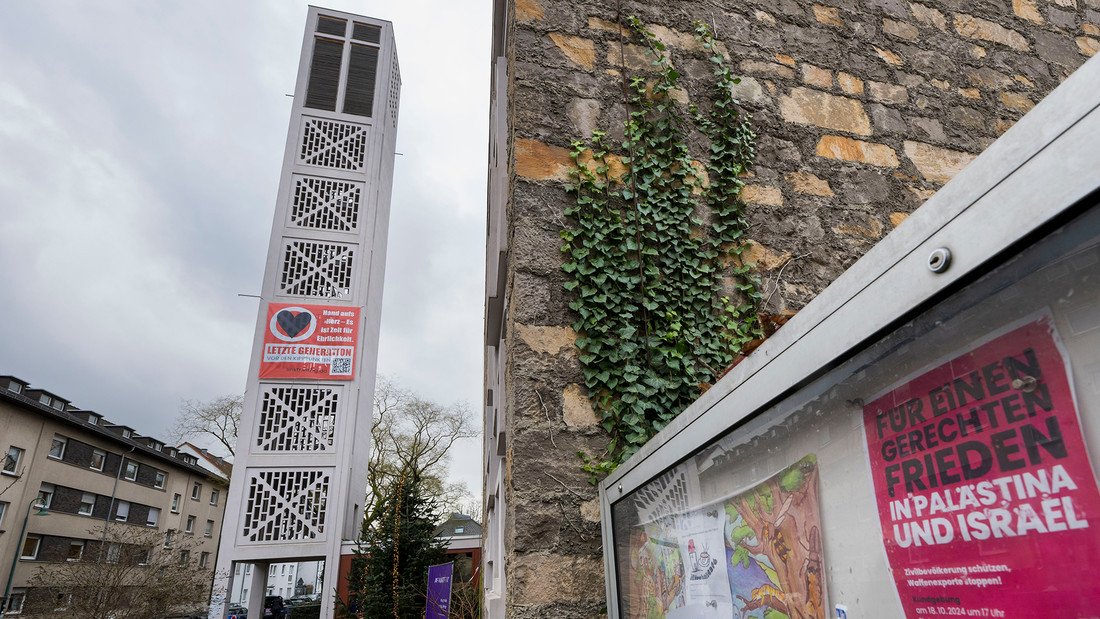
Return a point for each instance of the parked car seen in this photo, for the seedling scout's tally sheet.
(274, 608)
(237, 611)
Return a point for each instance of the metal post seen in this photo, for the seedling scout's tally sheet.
(19, 551)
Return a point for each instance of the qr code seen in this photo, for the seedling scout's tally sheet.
(341, 366)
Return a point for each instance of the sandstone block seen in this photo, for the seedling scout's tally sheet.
(977, 28)
(888, 93)
(1072, 3)
(809, 184)
(888, 56)
(816, 76)
(580, 51)
(635, 55)
(762, 194)
(615, 166)
(545, 578)
(849, 83)
(529, 10)
(929, 15)
(935, 163)
(828, 15)
(590, 510)
(577, 409)
(749, 89)
(900, 29)
(1016, 101)
(1026, 9)
(811, 107)
(765, 258)
(941, 84)
(1090, 29)
(584, 115)
(846, 149)
(595, 23)
(766, 68)
(1023, 80)
(977, 52)
(930, 127)
(765, 17)
(1088, 47)
(870, 227)
(546, 340)
(539, 161)
(970, 93)
(785, 59)
(675, 38)
(897, 218)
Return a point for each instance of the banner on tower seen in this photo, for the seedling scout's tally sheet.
(310, 341)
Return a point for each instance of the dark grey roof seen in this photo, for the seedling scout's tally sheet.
(451, 527)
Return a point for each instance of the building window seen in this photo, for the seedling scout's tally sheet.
(196, 491)
(99, 457)
(203, 558)
(154, 515)
(238, 569)
(30, 548)
(190, 525)
(209, 529)
(271, 571)
(15, 601)
(57, 448)
(158, 482)
(93, 420)
(176, 503)
(126, 433)
(459, 530)
(214, 496)
(158, 447)
(185, 557)
(3, 508)
(143, 556)
(87, 504)
(122, 512)
(131, 471)
(45, 495)
(11, 461)
(76, 551)
(168, 538)
(114, 551)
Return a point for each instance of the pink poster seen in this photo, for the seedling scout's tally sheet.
(987, 501)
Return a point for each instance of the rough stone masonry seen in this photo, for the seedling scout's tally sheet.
(864, 108)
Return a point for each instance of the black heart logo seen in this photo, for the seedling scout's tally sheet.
(292, 324)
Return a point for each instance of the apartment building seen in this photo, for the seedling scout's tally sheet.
(92, 475)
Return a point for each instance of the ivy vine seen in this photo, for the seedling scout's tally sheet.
(651, 244)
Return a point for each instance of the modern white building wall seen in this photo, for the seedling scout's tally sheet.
(299, 474)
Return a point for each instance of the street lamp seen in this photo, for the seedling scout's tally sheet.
(19, 550)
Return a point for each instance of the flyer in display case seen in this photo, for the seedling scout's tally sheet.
(756, 554)
(987, 502)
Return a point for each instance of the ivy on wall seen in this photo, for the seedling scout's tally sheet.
(653, 240)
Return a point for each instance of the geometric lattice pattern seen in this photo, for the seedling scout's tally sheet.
(297, 419)
(395, 91)
(325, 204)
(316, 269)
(664, 496)
(286, 506)
(333, 144)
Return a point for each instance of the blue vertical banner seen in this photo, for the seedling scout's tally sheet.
(439, 591)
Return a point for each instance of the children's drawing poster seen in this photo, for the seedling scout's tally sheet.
(756, 554)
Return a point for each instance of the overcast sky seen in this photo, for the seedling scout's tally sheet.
(140, 149)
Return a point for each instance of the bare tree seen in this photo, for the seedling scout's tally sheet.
(412, 436)
(217, 419)
(134, 575)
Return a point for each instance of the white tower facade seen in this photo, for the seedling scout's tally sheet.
(299, 475)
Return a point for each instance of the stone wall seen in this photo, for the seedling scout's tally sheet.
(863, 109)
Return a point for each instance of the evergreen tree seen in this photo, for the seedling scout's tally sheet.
(389, 576)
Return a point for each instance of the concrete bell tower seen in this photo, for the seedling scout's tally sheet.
(299, 475)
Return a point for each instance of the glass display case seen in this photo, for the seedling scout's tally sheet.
(918, 444)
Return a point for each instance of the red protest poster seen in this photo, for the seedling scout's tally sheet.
(310, 341)
(987, 501)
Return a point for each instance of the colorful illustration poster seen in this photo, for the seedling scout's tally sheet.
(310, 341)
(756, 554)
(988, 505)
